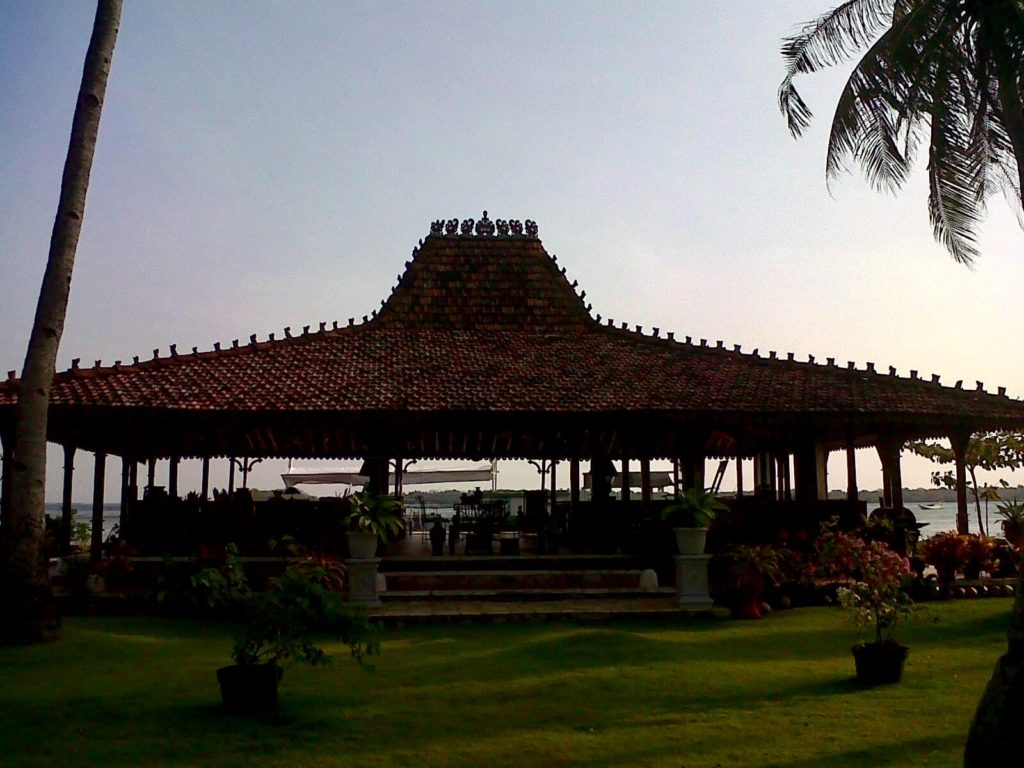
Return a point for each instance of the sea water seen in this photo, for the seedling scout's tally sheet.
(934, 520)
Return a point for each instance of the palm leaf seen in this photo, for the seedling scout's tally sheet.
(828, 40)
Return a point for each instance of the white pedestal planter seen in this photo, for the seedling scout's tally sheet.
(690, 541)
(362, 568)
(362, 545)
(692, 582)
(362, 581)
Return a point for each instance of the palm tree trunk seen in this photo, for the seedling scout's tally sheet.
(995, 731)
(24, 598)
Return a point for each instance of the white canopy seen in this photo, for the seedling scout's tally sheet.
(659, 479)
(477, 473)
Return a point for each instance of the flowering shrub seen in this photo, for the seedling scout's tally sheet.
(950, 552)
(876, 578)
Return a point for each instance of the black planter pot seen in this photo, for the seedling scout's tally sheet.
(249, 688)
(879, 663)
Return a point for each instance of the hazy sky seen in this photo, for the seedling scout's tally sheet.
(263, 165)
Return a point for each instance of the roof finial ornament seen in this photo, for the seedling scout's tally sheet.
(482, 227)
(485, 227)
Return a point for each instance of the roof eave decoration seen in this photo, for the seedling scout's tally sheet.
(484, 227)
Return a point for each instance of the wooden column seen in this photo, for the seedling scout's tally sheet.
(399, 476)
(66, 510)
(231, 475)
(96, 544)
(739, 476)
(172, 477)
(693, 470)
(126, 481)
(889, 450)
(764, 473)
(783, 481)
(883, 457)
(133, 480)
(574, 483)
(205, 488)
(626, 480)
(852, 492)
(645, 483)
(151, 472)
(376, 470)
(809, 467)
(554, 487)
(959, 442)
(896, 477)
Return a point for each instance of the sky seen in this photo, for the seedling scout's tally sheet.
(273, 164)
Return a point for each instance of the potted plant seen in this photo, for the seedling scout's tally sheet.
(370, 518)
(281, 625)
(751, 568)
(1012, 514)
(946, 553)
(875, 594)
(690, 517)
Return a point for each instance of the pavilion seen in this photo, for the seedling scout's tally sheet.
(485, 350)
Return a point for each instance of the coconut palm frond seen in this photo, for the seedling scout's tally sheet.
(868, 128)
(952, 208)
(948, 70)
(828, 40)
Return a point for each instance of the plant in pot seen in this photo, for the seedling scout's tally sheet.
(371, 517)
(283, 625)
(946, 552)
(690, 517)
(1012, 516)
(876, 596)
(751, 569)
(979, 556)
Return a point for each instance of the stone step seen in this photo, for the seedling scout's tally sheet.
(531, 562)
(523, 595)
(518, 579)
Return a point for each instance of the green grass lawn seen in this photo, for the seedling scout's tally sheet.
(778, 692)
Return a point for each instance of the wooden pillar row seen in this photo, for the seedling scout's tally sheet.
(205, 489)
(172, 477)
(574, 483)
(133, 480)
(554, 486)
(889, 450)
(764, 474)
(626, 481)
(810, 462)
(959, 442)
(66, 500)
(852, 491)
(739, 476)
(96, 543)
(645, 483)
(126, 480)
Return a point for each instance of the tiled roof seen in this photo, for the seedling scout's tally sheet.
(480, 324)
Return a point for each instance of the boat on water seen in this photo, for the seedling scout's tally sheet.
(930, 505)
